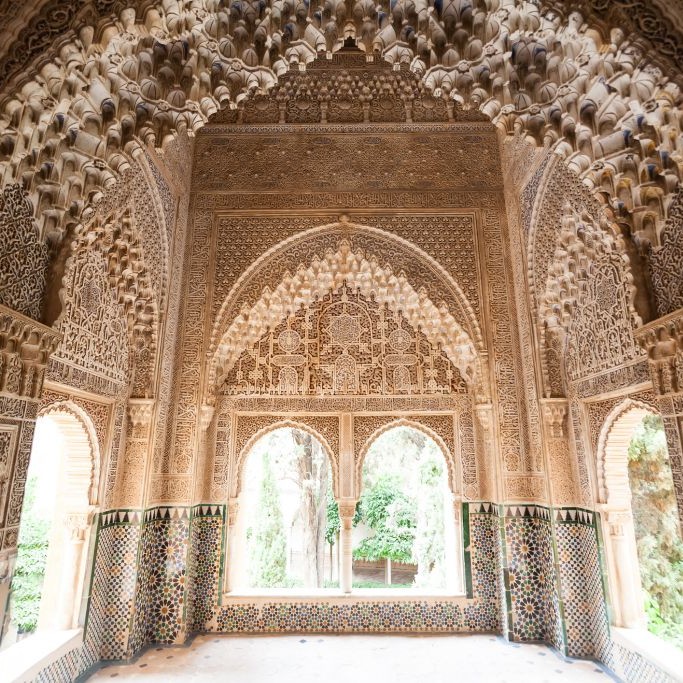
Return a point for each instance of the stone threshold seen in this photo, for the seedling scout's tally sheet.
(334, 596)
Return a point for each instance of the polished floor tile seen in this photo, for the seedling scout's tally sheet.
(352, 659)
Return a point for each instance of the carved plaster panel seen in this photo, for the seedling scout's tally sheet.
(93, 323)
(25, 349)
(344, 343)
(24, 257)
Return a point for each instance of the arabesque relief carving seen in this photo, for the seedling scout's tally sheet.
(347, 343)
(341, 218)
(552, 74)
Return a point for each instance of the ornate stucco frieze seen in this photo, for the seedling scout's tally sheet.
(25, 347)
(662, 339)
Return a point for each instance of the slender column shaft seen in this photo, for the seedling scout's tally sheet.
(76, 527)
(346, 513)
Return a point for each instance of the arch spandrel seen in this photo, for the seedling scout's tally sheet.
(443, 438)
(278, 283)
(344, 344)
(251, 429)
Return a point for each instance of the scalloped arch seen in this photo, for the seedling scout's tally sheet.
(613, 442)
(83, 456)
(239, 324)
(279, 423)
(452, 465)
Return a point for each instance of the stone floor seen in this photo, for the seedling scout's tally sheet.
(353, 659)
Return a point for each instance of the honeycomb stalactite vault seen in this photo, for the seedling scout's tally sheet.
(221, 218)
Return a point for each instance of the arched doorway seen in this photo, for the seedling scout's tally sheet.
(640, 525)
(280, 538)
(59, 506)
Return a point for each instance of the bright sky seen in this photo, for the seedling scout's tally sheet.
(44, 464)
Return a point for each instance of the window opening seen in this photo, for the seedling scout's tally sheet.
(281, 540)
(404, 535)
(48, 579)
(656, 526)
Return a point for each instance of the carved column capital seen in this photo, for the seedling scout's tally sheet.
(617, 520)
(140, 411)
(233, 509)
(7, 561)
(25, 348)
(77, 524)
(555, 412)
(347, 510)
(662, 340)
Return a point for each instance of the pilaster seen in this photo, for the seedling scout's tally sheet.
(662, 339)
(561, 474)
(138, 447)
(25, 348)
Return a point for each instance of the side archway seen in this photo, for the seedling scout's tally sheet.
(614, 496)
(612, 463)
(84, 459)
(64, 478)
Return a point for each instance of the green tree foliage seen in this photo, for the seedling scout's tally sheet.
(660, 549)
(429, 548)
(405, 509)
(392, 516)
(333, 526)
(29, 572)
(267, 541)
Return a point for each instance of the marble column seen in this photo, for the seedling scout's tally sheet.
(234, 570)
(76, 527)
(627, 592)
(347, 510)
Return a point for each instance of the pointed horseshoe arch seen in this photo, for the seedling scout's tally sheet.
(84, 459)
(340, 254)
(615, 437)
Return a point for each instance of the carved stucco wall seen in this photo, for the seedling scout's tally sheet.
(226, 199)
(24, 258)
(665, 261)
(261, 188)
(563, 78)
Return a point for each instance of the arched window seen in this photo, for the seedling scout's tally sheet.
(644, 551)
(405, 534)
(59, 504)
(280, 536)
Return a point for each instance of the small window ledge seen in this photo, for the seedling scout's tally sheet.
(23, 661)
(655, 650)
(336, 595)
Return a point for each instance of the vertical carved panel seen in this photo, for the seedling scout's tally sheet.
(23, 257)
